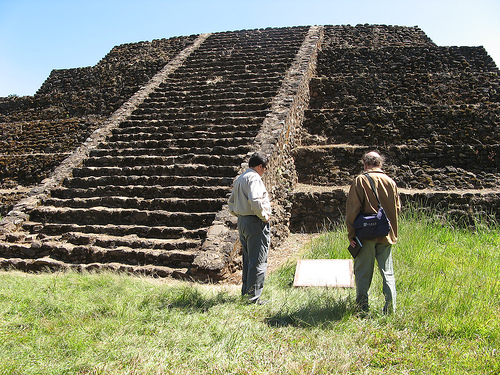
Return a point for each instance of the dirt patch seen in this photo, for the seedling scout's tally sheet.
(291, 247)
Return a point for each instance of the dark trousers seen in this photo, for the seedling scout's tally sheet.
(255, 237)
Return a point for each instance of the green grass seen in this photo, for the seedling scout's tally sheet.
(448, 319)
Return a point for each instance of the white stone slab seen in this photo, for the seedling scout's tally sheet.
(336, 273)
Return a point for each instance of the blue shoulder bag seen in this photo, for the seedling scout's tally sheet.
(372, 225)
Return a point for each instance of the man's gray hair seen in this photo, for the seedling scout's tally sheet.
(373, 159)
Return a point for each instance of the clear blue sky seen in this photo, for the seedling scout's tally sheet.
(37, 36)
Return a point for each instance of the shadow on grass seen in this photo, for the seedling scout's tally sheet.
(189, 299)
(312, 314)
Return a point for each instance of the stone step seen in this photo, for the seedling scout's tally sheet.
(249, 49)
(205, 65)
(379, 125)
(215, 58)
(44, 264)
(160, 170)
(238, 71)
(175, 247)
(88, 182)
(120, 216)
(211, 93)
(319, 208)
(279, 44)
(190, 101)
(252, 39)
(202, 78)
(30, 130)
(202, 107)
(166, 126)
(155, 232)
(387, 90)
(162, 140)
(201, 120)
(164, 136)
(375, 36)
(202, 65)
(192, 205)
(243, 37)
(253, 50)
(398, 60)
(93, 253)
(30, 168)
(252, 47)
(130, 161)
(217, 89)
(218, 83)
(10, 196)
(182, 113)
(440, 167)
(156, 148)
(143, 191)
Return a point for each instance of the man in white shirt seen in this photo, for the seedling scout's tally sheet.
(249, 201)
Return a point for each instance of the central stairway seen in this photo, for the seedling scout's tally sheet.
(144, 198)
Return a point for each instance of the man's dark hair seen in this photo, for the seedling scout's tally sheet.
(258, 159)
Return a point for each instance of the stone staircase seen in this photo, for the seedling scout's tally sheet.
(38, 132)
(143, 199)
(433, 111)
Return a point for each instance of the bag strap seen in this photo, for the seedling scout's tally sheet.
(372, 184)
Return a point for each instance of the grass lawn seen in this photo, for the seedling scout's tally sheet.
(448, 319)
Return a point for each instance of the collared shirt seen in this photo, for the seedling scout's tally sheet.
(362, 199)
(249, 196)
